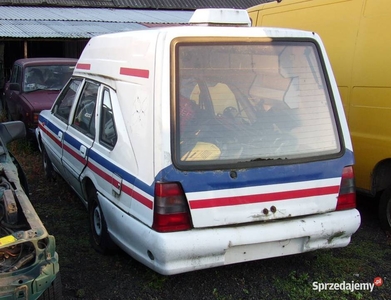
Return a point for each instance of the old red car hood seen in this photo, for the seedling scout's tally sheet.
(41, 99)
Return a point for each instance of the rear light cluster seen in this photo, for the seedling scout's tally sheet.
(32, 119)
(347, 190)
(35, 118)
(171, 211)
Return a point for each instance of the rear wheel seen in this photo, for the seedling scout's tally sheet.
(385, 210)
(54, 292)
(100, 237)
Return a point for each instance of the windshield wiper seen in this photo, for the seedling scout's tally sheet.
(264, 159)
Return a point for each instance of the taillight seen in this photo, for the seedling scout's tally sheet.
(347, 191)
(171, 212)
(32, 119)
(35, 118)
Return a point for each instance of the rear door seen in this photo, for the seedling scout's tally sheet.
(54, 124)
(258, 136)
(80, 134)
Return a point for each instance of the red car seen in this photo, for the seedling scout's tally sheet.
(33, 86)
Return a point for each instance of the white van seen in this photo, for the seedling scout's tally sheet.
(199, 146)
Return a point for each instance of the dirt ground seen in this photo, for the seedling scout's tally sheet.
(87, 274)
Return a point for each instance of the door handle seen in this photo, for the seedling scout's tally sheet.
(83, 151)
(116, 184)
(59, 135)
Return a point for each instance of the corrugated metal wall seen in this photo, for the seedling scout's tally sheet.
(146, 4)
(35, 28)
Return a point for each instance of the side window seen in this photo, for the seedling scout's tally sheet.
(62, 106)
(15, 76)
(19, 74)
(108, 133)
(84, 119)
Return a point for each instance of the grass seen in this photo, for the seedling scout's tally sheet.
(356, 263)
(89, 275)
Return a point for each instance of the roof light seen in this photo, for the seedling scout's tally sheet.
(215, 16)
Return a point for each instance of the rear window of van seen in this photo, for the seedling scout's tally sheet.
(251, 102)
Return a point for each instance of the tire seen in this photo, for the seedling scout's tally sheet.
(385, 210)
(47, 165)
(54, 292)
(100, 238)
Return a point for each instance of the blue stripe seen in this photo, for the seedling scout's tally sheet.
(149, 189)
(250, 177)
(197, 181)
(54, 129)
(72, 141)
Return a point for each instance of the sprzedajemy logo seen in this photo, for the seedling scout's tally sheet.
(347, 286)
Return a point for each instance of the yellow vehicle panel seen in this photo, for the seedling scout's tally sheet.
(353, 33)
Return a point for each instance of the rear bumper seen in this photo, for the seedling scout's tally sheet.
(178, 252)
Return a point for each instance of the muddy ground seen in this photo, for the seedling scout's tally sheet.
(87, 274)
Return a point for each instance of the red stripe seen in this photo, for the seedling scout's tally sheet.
(134, 72)
(50, 134)
(75, 154)
(240, 200)
(140, 198)
(208, 203)
(125, 189)
(83, 66)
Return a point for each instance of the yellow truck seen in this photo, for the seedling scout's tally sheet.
(353, 32)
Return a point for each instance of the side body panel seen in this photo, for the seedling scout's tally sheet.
(370, 98)
(124, 175)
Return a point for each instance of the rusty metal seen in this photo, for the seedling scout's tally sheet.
(10, 207)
